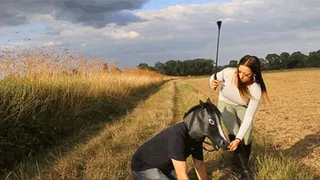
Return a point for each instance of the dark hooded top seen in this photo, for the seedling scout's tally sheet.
(171, 143)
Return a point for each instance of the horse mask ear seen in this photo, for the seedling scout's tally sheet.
(201, 103)
(209, 101)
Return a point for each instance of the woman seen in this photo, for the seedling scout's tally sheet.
(241, 91)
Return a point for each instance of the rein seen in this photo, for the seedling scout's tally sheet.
(209, 150)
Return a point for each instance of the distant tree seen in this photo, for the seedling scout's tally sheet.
(160, 67)
(208, 67)
(314, 58)
(201, 66)
(189, 66)
(143, 66)
(170, 67)
(264, 64)
(298, 60)
(273, 60)
(233, 63)
(284, 60)
(179, 68)
(151, 68)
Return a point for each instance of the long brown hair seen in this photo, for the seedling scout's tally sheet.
(254, 64)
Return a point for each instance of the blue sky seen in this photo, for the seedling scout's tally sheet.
(130, 32)
(158, 4)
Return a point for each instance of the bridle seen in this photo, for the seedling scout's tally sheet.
(209, 150)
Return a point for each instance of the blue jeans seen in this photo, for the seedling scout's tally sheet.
(153, 173)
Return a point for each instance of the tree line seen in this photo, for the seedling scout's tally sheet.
(203, 66)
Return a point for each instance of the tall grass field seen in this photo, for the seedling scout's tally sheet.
(44, 101)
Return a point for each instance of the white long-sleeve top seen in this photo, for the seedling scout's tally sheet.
(230, 94)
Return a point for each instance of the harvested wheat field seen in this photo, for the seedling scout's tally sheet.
(292, 121)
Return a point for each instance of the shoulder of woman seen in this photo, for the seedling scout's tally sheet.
(255, 90)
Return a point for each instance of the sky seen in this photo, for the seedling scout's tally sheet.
(130, 32)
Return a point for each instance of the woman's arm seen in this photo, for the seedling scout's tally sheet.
(220, 77)
(247, 121)
(250, 112)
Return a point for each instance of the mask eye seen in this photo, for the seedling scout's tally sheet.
(211, 121)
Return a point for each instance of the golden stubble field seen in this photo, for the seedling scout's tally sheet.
(291, 122)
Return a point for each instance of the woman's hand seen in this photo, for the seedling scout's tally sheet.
(234, 144)
(214, 83)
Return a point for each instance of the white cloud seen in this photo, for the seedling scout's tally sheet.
(228, 20)
(122, 34)
(50, 43)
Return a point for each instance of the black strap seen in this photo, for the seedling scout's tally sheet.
(209, 150)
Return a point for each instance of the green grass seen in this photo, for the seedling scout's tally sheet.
(270, 163)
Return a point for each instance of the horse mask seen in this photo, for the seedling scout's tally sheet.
(204, 120)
